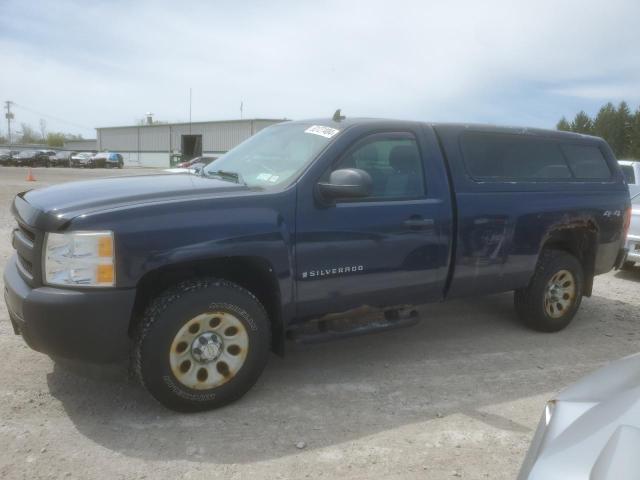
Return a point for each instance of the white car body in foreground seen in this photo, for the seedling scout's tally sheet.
(591, 430)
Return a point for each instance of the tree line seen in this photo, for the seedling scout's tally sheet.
(26, 135)
(618, 126)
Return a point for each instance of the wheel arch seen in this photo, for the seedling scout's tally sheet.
(581, 241)
(253, 273)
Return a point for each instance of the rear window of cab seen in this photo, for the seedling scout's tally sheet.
(511, 157)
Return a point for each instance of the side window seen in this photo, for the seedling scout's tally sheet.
(392, 160)
(501, 156)
(587, 162)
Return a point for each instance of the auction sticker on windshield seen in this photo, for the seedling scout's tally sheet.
(267, 177)
(326, 132)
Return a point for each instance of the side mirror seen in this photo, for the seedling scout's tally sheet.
(346, 183)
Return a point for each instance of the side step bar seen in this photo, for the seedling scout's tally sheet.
(351, 324)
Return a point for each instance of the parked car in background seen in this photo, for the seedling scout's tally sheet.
(631, 170)
(633, 237)
(590, 430)
(50, 154)
(115, 160)
(98, 160)
(61, 159)
(82, 160)
(32, 158)
(108, 160)
(205, 159)
(6, 156)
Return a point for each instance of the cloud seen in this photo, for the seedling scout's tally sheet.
(107, 63)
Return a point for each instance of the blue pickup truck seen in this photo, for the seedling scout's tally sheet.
(310, 230)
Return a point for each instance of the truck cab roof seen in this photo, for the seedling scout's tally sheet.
(448, 126)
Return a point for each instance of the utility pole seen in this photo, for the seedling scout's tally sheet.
(9, 117)
(241, 107)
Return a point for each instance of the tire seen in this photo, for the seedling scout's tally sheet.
(166, 355)
(628, 266)
(546, 310)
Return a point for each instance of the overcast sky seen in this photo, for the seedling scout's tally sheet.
(88, 64)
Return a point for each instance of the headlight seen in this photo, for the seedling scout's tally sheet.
(84, 259)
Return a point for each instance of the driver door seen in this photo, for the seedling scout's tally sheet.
(381, 250)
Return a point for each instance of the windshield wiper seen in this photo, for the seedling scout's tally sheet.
(226, 175)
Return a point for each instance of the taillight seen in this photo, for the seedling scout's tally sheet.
(627, 222)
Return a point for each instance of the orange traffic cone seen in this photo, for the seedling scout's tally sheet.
(30, 177)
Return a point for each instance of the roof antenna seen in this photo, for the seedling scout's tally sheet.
(337, 117)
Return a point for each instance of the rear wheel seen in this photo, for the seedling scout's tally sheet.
(554, 294)
(201, 345)
(628, 265)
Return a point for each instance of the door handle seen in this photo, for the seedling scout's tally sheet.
(418, 223)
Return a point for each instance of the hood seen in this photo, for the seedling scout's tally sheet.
(591, 431)
(68, 200)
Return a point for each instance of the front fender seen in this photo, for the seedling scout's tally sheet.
(152, 237)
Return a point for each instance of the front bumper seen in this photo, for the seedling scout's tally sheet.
(84, 324)
(633, 247)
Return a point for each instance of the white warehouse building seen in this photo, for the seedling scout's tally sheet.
(153, 145)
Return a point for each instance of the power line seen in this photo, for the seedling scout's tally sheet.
(52, 117)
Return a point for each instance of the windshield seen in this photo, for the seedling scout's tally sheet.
(27, 153)
(272, 157)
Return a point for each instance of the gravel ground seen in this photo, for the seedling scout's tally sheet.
(457, 396)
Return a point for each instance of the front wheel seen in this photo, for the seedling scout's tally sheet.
(554, 294)
(201, 345)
